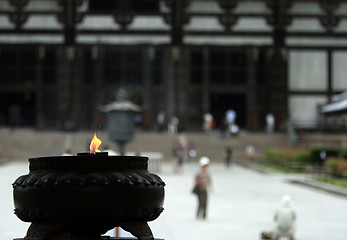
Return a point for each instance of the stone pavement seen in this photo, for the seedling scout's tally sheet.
(241, 205)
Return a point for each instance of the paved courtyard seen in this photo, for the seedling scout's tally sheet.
(240, 207)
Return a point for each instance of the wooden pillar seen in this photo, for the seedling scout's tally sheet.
(279, 20)
(97, 89)
(67, 17)
(330, 73)
(177, 16)
(69, 87)
(276, 78)
(182, 87)
(147, 91)
(252, 115)
(79, 108)
(169, 83)
(205, 81)
(276, 63)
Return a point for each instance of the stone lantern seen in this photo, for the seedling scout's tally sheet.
(121, 119)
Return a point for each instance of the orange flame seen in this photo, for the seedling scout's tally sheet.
(94, 144)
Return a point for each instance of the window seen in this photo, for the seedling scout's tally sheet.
(88, 66)
(124, 5)
(133, 68)
(238, 67)
(145, 5)
(48, 67)
(123, 67)
(8, 66)
(196, 71)
(103, 5)
(218, 67)
(112, 66)
(228, 67)
(27, 67)
(18, 66)
(157, 66)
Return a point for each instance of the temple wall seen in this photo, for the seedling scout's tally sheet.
(303, 109)
(339, 82)
(306, 51)
(307, 70)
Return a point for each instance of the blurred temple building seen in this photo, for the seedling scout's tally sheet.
(62, 59)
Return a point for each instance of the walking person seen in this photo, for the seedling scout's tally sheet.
(161, 121)
(173, 125)
(202, 183)
(178, 152)
(224, 129)
(230, 117)
(270, 123)
(208, 122)
(191, 151)
(228, 156)
(250, 151)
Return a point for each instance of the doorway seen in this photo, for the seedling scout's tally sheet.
(17, 109)
(220, 103)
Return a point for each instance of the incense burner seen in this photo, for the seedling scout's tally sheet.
(87, 195)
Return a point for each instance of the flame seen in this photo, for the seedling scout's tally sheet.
(94, 144)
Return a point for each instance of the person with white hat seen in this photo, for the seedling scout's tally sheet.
(202, 182)
(284, 218)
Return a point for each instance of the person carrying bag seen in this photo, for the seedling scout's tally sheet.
(202, 182)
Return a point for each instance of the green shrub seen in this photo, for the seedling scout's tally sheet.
(343, 153)
(341, 168)
(315, 154)
(331, 162)
(276, 156)
(338, 165)
(286, 156)
(301, 156)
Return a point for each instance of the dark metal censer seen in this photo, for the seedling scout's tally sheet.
(84, 196)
